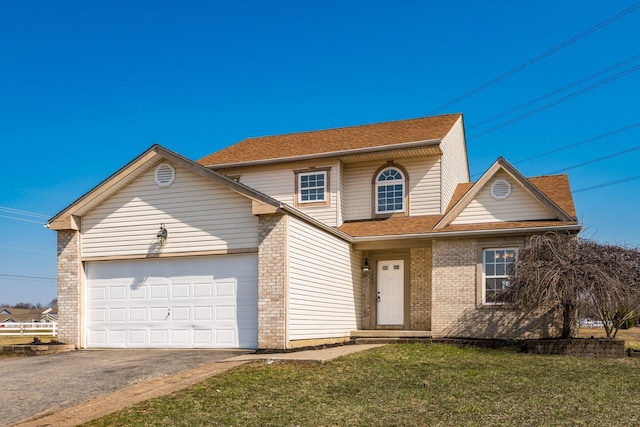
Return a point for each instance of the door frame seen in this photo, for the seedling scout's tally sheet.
(374, 258)
(395, 304)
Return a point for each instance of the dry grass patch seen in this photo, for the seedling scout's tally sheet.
(408, 385)
(18, 339)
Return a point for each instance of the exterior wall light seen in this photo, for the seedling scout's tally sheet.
(366, 267)
(162, 235)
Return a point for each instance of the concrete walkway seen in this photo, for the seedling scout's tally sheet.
(127, 396)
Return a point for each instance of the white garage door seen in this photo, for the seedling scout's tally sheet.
(205, 302)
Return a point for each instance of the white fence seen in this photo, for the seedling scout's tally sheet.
(29, 329)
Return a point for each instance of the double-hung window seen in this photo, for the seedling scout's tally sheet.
(390, 191)
(498, 264)
(312, 187)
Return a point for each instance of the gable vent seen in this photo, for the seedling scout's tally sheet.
(500, 189)
(165, 175)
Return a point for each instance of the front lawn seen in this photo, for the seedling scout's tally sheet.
(406, 385)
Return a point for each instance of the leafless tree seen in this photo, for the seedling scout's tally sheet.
(612, 284)
(548, 275)
(567, 272)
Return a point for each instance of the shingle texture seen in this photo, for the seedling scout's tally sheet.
(556, 187)
(333, 140)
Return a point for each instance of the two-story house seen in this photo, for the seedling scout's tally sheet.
(302, 239)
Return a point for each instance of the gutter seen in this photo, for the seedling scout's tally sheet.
(428, 142)
(450, 234)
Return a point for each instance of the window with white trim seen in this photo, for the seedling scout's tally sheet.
(312, 187)
(498, 264)
(390, 191)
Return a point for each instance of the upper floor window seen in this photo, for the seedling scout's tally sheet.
(498, 264)
(312, 187)
(390, 191)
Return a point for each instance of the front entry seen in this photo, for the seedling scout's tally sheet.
(390, 293)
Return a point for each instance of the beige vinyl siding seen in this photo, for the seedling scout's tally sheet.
(323, 275)
(519, 206)
(198, 214)
(424, 187)
(454, 162)
(278, 181)
(343, 195)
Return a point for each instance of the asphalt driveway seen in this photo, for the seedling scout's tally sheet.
(33, 385)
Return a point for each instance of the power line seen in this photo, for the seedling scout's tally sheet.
(20, 277)
(576, 144)
(538, 58)
(22, 219)
(607, 184)
(558, 101)
(585, 141)
(27, 250)
(26, 213)
(554, 92)
(599, 159)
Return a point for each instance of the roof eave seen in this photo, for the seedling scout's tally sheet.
(468, 233)
(341, 153)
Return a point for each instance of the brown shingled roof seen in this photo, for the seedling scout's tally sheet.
(391, 226)
(556, 187)
(333, 140)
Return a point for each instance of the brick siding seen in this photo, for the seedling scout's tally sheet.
(272, 282)
(420, 289)
(456, 311)
(69, 292)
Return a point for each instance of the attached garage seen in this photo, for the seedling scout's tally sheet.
(182, 302)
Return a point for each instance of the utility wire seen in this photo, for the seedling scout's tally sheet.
(538, 58)
(22, 219)
(557, 101)
(585, 141)
(26, 213)
(26, 250)
(555, 92)
(607, 184)
(19, 277)
(599, 159)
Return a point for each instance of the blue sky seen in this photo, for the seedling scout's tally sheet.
(87, 86)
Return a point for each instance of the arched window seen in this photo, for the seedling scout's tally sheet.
(390, 188)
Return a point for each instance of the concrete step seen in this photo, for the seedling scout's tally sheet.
(392, 340)
(389, 334)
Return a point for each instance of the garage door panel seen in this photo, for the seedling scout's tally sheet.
(203, 313)
(138, 314)
(226, 337)
(159, 291)
(208, 302)
(181, 313)
(117, 314)
(203, 290)
(203, 337)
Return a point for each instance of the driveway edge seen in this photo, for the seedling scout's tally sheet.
(101, 406)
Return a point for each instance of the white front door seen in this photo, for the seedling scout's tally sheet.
(390, 294)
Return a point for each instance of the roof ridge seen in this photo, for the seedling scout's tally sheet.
(348, 127)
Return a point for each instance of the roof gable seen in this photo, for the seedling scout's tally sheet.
(334, 142)
(141, 164)
(539, 204)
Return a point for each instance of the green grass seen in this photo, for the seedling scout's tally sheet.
(406, 385)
